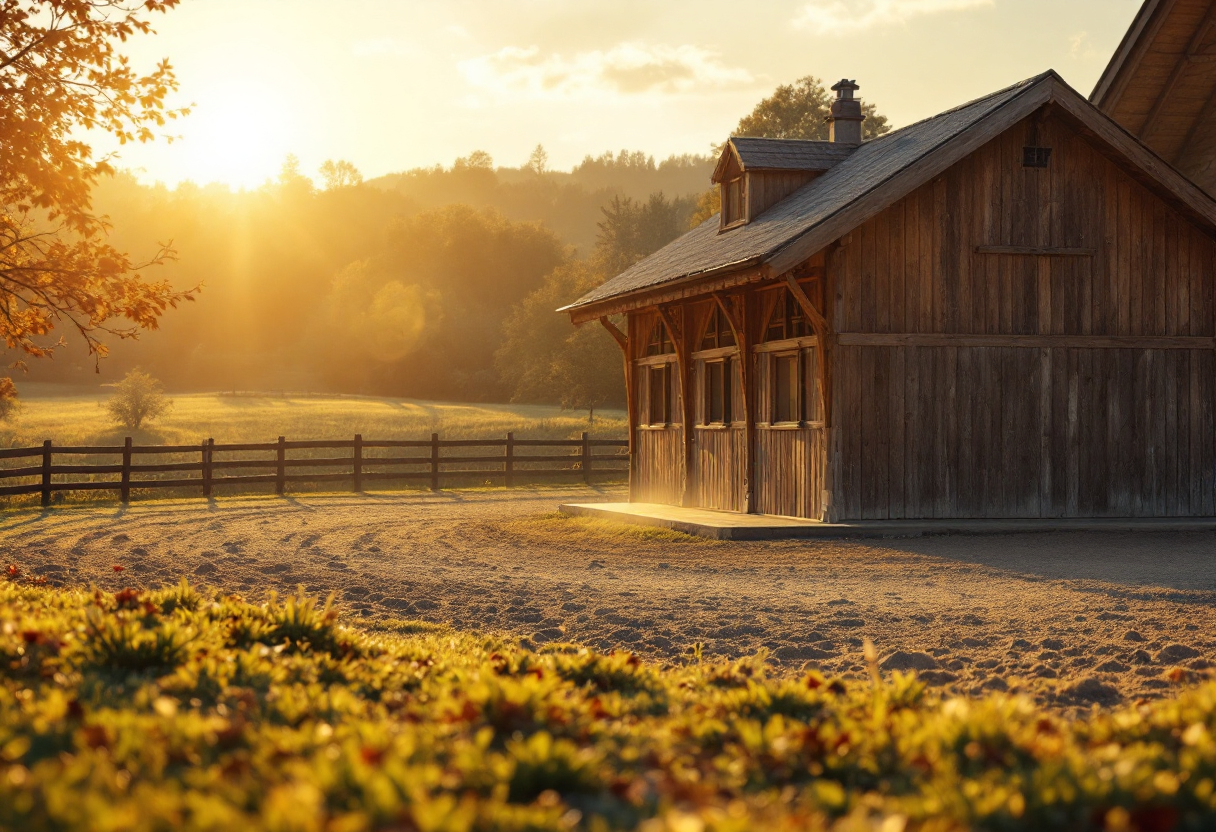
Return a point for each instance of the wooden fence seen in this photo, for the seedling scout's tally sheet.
(219, 465)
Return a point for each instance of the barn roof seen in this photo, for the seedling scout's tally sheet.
(874, 176)
(1161, 77)
(784, 154)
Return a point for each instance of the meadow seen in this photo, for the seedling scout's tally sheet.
(77, 416)
(184, 709)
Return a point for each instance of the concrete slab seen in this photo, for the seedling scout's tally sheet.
(726, 525)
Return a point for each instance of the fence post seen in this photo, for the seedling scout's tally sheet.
(586, 459)
(280, 472)
(208, 450)
(509, 463)
(125, 489)
(358, 463)
(434, 462)
(46, 473)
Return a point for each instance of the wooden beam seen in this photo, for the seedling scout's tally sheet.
(671, 291)
(738, 328)
(1081, 342)
(1037, 251)
(824, 333)
(622, 341)
(677, 332)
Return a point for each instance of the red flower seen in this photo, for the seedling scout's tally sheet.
(118, 568)
(13, 570)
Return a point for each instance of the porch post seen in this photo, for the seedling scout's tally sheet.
(737, 321)
(675, 332)
(622, 341)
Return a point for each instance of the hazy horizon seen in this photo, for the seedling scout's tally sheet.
(395, 85)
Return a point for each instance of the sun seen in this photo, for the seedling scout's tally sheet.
(238, 135)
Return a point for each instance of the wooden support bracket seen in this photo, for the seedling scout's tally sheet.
(824, 333)
(622, 341)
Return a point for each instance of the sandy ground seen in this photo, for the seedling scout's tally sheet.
(1071, 618)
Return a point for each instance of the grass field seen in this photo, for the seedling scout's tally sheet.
(185, 710)
(69, 416)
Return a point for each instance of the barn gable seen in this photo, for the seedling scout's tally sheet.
(872, 177)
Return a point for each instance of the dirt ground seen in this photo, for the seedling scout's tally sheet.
(1072, 618)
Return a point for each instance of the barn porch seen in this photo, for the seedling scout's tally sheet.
(727, 525)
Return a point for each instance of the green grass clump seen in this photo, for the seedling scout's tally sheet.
(184, 710)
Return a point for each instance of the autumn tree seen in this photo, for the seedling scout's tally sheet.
(63, 75)
(800, 111)
(340, 174)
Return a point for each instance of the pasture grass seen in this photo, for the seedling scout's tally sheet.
(81, 419)
(181, 709)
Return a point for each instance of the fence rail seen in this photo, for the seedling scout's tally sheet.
(368, 461)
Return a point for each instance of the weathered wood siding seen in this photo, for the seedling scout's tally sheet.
(721, 469)
(790, 471)
(766, 188)
(790, 461)
(659, 470)
(1041, 412)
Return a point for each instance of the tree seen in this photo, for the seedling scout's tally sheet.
(9, 402)
(631, 230)
(340, 174)
(292, 179)
(800, 111)
(542, 359)
(477, 160)
(63, 74)
(138, 398)
(538, 162)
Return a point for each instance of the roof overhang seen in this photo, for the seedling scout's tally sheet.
(1135, 41)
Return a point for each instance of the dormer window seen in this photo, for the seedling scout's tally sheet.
(733, 203)
(754, 174)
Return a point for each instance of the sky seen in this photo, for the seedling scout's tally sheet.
(391, 85)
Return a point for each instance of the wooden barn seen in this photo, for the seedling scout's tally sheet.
(1003, 311)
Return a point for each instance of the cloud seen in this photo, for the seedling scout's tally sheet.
(1082, 47)
(626, 69)
(826, 16)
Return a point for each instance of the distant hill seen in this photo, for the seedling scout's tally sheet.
(568, 203)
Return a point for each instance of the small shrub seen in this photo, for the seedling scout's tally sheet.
(138, 398)
(9, 401)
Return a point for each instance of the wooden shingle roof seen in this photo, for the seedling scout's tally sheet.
(873, 176)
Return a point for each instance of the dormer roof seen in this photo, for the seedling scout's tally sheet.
(753, 154)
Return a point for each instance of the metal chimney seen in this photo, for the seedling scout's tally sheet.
(846, 117)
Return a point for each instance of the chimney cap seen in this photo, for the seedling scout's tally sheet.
(845, 88)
